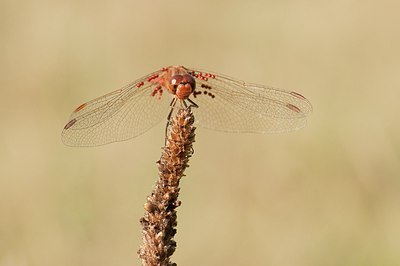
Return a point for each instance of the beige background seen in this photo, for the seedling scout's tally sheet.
(326, 195)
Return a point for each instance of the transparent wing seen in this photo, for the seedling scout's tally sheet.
(119, 115)
(232, 105)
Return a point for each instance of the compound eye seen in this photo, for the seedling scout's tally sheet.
(189, 79)
(176, 80)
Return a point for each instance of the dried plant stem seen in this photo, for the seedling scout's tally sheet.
(159, 221)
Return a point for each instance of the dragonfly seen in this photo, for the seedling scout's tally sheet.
(224, 104)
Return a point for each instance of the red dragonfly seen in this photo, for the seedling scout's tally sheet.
(225, 104)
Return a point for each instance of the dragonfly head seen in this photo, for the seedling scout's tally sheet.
(182, 85)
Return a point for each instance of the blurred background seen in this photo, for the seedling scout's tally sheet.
(325, 195)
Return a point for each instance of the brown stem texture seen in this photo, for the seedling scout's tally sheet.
(159, 221)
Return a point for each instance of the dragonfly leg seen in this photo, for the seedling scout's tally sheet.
(192, 103)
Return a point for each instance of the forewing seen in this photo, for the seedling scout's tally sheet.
(232, 105)
(117, 116)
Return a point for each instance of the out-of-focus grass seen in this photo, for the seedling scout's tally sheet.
(327, 195)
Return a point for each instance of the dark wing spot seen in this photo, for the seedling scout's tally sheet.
(298, 95)
(80, 107)
(293, 108)
(70, 123)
